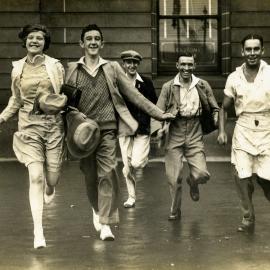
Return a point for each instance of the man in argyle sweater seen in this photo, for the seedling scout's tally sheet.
(103, 84)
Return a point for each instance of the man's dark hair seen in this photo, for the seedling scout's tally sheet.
(91, 27)
(29, 28)
(187, 54)
(252, 36)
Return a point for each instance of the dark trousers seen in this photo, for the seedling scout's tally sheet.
(101, 178)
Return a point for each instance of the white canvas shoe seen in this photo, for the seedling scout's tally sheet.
(96, 223)
(106, 233)
(129, 203)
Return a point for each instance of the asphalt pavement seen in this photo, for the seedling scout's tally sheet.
(205, 238)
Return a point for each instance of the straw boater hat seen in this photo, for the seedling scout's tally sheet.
(82, 134)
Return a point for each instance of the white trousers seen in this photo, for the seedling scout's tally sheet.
(134, 150)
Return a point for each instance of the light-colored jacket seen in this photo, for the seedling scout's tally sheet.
(169, 102)
(55, 72)
(119, 85)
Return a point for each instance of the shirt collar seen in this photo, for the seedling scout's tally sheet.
(194, 81)
(101, 62)
(240, 69)
(37, 59)
(138, 77)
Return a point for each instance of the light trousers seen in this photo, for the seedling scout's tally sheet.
(101, 178)
(185, 140)
(134, 150)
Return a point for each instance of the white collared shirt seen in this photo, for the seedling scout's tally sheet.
(55, 72)
(189, 98)
(249, 97)
(137, 78)
(91, 72)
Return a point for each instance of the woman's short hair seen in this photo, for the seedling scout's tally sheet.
(29, 28)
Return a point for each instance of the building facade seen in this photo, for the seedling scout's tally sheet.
(158, 29)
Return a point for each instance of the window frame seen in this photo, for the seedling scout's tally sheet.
(170, 68)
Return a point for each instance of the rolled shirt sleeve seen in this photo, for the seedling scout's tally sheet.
(229, 90)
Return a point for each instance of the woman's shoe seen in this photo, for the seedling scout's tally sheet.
(39, 242)
(48, 198)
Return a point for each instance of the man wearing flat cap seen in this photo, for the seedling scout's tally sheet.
(103, 84)
(135, 148)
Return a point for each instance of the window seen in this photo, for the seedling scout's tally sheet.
(188, 25)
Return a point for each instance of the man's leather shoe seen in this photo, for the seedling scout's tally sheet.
(246, 227)
(194, 191)
(176, 216)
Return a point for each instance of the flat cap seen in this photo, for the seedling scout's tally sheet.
(130, 54)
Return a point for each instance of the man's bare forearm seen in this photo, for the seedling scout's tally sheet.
(222, 119)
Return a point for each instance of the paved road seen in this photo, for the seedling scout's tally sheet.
(205, 238)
